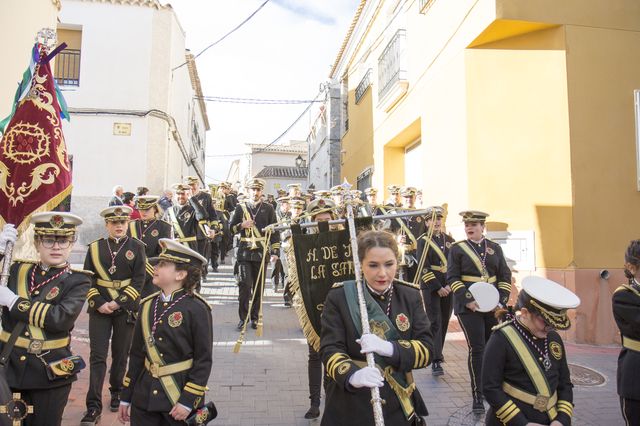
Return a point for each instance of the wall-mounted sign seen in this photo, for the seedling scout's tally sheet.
(122, 129)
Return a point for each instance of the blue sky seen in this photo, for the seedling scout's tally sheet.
(284, 52)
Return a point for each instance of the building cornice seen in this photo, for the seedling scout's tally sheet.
(195, 83)
(154, 4)
(347, 38)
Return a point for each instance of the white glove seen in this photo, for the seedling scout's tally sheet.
(367, 377)
(372, 343)
(9, 234)
(7, 297)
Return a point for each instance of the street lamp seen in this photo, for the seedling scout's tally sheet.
(299, 161)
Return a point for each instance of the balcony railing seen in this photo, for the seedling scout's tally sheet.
(424, 5)
(392, 72)
(363, 86)
(67, 70)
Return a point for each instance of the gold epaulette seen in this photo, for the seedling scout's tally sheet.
(622, 287)
(408, 284)
(502, 324)
(337, 285)
(83, 271)
(199, 296)
(33, 262)
(458, 242)
(149, 297)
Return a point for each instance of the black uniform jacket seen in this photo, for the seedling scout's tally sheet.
(184, 331)
(433, 276)
(464, 269)
(150, 232)
(626, 312)
(230, 202)
(346, 405)
(185, 227)
(51, 310)
(130, 264)
(207, 212)
(502, 364)
(263, 214)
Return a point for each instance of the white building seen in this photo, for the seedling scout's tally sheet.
(137, 115)
(278, 165)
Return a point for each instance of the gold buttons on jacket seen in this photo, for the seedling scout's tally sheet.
(160, 339)
(23, 358)
(26, 333)
(155, 392)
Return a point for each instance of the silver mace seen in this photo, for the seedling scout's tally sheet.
(8, 254)
(376, 401)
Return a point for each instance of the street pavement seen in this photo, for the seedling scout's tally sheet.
(266, 382)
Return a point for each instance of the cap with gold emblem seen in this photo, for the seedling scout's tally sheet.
(190, 180)
(322, 193)
(370, 191)
(435, 210)
(116, 213)
(55, 223)
(175, 252)
(393, 189)
(408, 191)
(474, 216)
(296, 203)
(548, 299)
(283, 199)
(255, 183)
(281, 192)
(320, 205)
(145, 202)
(294, 185)
(181, 188)
(337, 190)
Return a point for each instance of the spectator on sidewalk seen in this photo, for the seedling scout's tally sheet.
(128, 199)
(166, 201)
(116, 200)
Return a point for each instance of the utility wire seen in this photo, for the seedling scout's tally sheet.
(311, 102)
(255, 101)
(224, 36)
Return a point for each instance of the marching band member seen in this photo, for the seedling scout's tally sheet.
(249, 220)
(409, 230)
(119, 265)
(626, 307)
(319, 210)
(525, 376)
(395, 199)
(171, 353)
(41, 304)
(400, 338)
(473, 260)
(435, 290)
(149, 229)
(207, 219)
(183, 217)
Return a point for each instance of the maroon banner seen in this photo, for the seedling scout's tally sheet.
(35, 174)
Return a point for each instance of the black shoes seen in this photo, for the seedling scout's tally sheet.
(436, 368)
(478, 405)
(254, 324)
(90, 418)
(240, 325)
(114, 406)
(313, 413)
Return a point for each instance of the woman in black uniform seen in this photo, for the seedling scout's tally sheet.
(400, 338)
(476, 259)
(525, 376)
(626, 311)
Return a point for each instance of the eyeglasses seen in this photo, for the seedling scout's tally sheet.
(63, 242)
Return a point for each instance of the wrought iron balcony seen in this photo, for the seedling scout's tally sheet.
(67, 70)
(392, 71)
(363, 86)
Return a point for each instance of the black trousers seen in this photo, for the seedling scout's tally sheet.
(439, 313)
(100, 330)
(314, 369)
(214, 253)
(248, 284)
(140, 417)
(630, 411)
(477, 329)
(277, 276)
(48, 405)
(203, 247)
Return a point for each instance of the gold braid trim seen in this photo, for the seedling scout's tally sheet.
(397, 387)
(301, 311)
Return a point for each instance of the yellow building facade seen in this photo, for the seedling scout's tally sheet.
(521, 108)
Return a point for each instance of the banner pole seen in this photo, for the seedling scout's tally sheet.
(376, 401)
